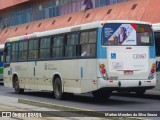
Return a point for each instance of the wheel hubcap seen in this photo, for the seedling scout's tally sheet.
(16, 85)
(58, 90)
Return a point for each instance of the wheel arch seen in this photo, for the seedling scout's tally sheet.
(55, 75)
(13, 78)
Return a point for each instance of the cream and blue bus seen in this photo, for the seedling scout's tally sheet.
(156, 30)
(98, 57)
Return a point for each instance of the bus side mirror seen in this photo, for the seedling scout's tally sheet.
(5, 65)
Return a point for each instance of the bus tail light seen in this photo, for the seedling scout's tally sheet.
(103, 71)
(102, 66)
(153, 66)
(152, 73)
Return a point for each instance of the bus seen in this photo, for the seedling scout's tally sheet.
(1, 62)
(98, 57)
(156, 30)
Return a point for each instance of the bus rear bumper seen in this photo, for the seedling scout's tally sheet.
(128, 89)
(126, 84)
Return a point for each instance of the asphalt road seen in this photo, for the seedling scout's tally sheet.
(117, 102)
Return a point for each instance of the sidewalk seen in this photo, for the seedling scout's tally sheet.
(10, 104)
(153, 92)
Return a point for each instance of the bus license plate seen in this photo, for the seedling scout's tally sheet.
(128, 72)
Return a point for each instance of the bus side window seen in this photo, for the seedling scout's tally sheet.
(83, 43)
(71, 46)
(88, 43)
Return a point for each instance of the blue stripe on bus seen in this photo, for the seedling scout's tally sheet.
(152, 52)
(35, 63)
(10, 71)
(34, 71)
(101, 51)
(81, 72)
(152, 49)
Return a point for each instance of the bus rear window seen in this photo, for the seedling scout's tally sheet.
(118, 34)
(144, 35)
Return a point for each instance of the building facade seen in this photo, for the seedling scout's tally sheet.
(29, 10)
(20, 17)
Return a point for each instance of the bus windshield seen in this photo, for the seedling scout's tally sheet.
(119, 34)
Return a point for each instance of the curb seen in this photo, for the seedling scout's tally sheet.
(82, 112)
(49, 105)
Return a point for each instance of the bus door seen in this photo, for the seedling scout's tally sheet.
(127, 50)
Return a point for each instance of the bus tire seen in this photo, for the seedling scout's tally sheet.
(57, 88)
(101, 94)
(17, 89)
(142, 92)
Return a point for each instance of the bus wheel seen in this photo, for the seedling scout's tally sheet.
(57, 88)
(17, 89)
(101, 94)
(142, 92)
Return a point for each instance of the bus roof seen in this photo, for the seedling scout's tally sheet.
(156, 27)
(85, 27)
(24, 37)
(72, 29)
(127, 21)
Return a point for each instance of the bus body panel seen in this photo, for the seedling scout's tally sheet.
(83, 74)
(81, 78)
(128, 62)
(125, 83)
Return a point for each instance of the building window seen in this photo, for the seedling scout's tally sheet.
(33, 49)
(113, 1)
(23, 51)
(52, 12)
(34, 11)
(45, 47)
